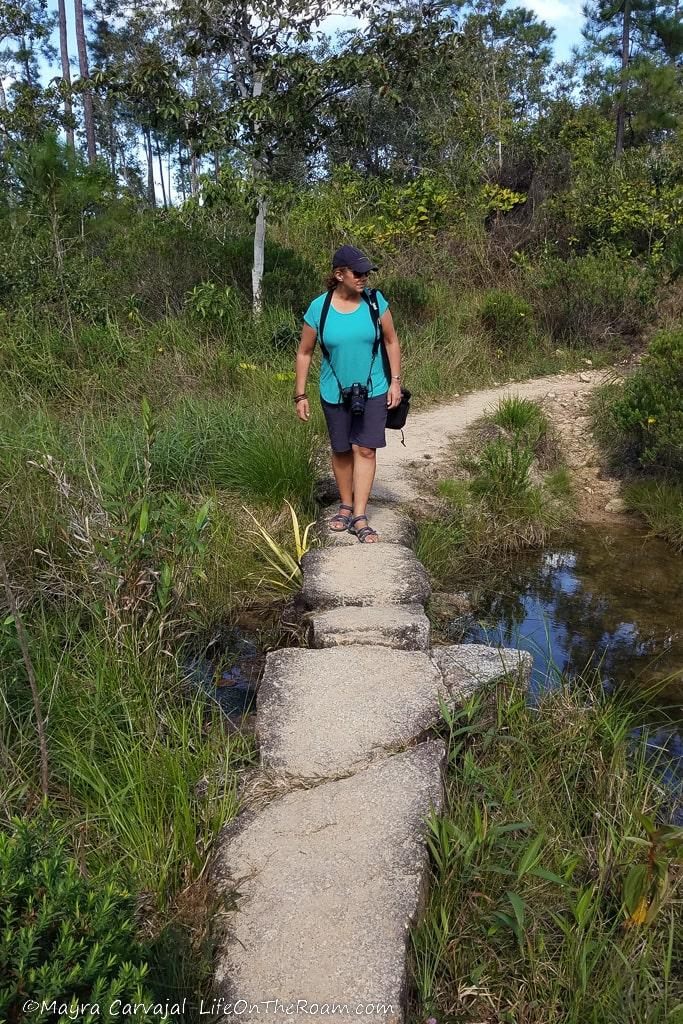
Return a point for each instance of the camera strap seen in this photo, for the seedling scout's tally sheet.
(369, 296)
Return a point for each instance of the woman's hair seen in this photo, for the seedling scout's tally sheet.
(331, 280)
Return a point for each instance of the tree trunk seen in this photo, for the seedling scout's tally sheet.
(194, 184)
(259, 254)
(623, 88)
(161, 171)
(27, 61)
(151, 194)
(66, 73)
(112, 143)
(262, 209)
(88, 112)
(181, 170)
(216, 166)
(3, 97)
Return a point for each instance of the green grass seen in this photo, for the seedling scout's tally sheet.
(661, 505)
(535, 861)
(140, 768)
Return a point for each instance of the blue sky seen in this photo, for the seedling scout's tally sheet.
(563, 15)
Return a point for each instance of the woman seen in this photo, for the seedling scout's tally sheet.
(348, 337)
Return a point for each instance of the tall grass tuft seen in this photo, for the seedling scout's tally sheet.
(542, 906)
(522, 418)
(253, 450)
(661, 505)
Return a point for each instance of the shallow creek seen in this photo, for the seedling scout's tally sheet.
(609, 599)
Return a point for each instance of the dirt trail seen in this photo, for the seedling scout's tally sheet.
(565, 399)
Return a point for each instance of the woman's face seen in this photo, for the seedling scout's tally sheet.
(354, 281)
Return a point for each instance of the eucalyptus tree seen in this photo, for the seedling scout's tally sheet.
(277, 78)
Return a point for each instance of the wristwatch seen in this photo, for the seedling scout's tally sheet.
(396, 376)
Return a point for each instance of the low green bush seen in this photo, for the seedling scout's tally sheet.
(66, 939)
(502, 473)
(592, 299)
(507, 318)
(647, 417)
(410, 295)
(288, 280)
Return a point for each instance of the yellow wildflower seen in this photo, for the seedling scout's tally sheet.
(651, 420)
(248, 366)
(639, 915)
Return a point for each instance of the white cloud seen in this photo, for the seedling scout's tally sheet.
(553, 11)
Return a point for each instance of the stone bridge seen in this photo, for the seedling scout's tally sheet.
(321, 884)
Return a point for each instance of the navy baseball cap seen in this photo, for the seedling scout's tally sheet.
(349, 256)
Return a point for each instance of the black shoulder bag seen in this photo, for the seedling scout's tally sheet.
(396, 417)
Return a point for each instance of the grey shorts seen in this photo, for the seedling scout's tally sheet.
(366, 430)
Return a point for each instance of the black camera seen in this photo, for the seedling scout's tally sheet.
(355, 398)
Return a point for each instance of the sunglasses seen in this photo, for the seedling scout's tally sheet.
(360, 273)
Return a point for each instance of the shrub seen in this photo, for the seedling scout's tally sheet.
(648, 416)
(409, 295)
(507, 319)
(212, 305)
(65, 937)
(592, 299)
(288, 280)
(502, 473)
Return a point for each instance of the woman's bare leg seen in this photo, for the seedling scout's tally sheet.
(364, 463)
(342, 467)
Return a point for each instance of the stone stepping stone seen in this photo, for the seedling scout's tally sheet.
(323, 714)
(321, 887)
(363, 574)
(405, 627)
(392, 525)
(465, 667)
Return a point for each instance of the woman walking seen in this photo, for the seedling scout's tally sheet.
(356, 426)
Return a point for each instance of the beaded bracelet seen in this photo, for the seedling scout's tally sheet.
(298, 398)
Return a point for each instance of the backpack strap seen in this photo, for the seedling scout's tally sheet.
(370, 296)
(323, 347)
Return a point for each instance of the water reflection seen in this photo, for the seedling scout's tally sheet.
(610, 601)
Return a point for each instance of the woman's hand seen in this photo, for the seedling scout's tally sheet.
(302, 409)
(394, 395)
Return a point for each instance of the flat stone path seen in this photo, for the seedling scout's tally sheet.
(405, 627)
(329, 880)
(320, 886)
(365, 574)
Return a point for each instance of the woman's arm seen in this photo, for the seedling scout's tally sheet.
(394, 356)
(304, 356)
